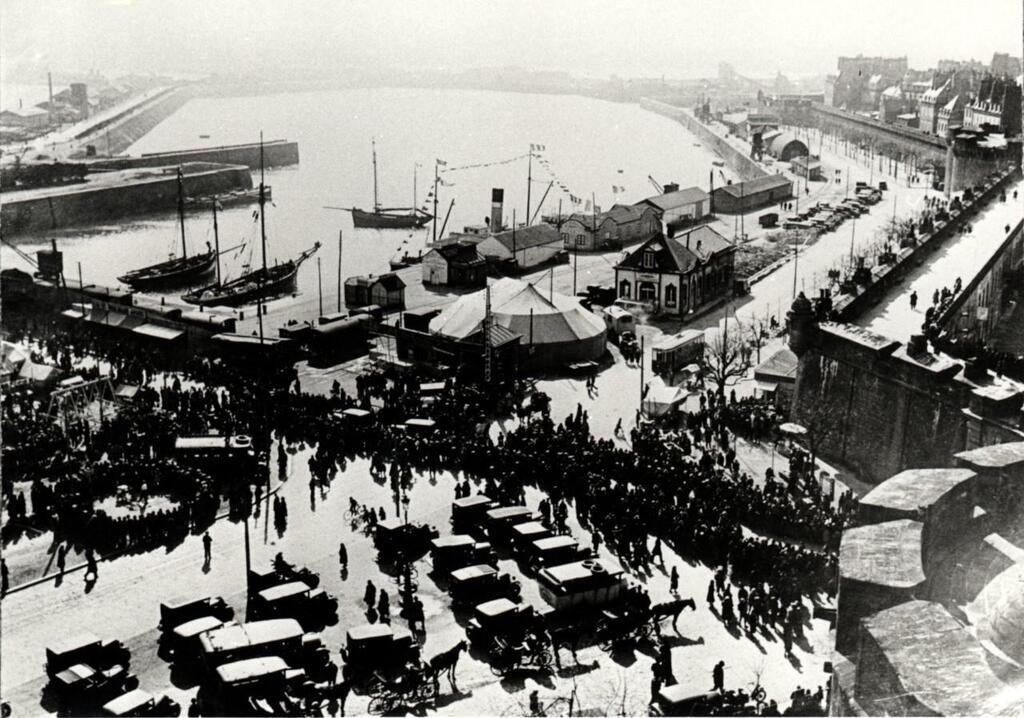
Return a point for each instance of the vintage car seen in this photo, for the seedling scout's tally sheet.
(500, 618)
(282, 637)
(522, 535)
(588, 583)
(183, 641)
(553, 551)
(680, 700)
(140, 703)
(499, 521)
(280, 571)
(85, 648)
(254, 686)
(475, 584)
(469, 512)
(175, 613)
(395, 539)
(295, 599)
(83, 685)
(458, 551)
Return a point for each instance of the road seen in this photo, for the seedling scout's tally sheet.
(124, 604)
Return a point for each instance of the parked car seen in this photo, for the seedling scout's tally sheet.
(140, 703)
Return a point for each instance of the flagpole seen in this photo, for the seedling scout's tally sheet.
(529, 183)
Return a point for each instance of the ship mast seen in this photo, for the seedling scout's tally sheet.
(216, 238)
(376, 203)
(263, 241)
(414, 166)
(181, 213)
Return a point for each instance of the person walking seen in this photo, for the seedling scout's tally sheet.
(913, 300)
(61, 558)
(207, 545)
(343, 555)
(718, 676)
(673, 581)
(5, 577)
(370, 594)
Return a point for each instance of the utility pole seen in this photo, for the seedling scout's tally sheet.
(339, 268)
(853, 232)
(319, 286)
(796, 260)
(529, 183)
(641, 374)
(435, 202)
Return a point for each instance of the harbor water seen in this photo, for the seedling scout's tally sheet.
(599, 151)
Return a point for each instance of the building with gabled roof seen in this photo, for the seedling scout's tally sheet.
(677, 275)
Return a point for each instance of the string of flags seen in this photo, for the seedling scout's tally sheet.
(616, 189)
(442, 163)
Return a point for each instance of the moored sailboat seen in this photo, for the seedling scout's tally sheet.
(390, 217)
(255, 285)
(177, 271)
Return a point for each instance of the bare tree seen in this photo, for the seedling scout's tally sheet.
(726, 357)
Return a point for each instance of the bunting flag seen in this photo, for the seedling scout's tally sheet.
(442, 163)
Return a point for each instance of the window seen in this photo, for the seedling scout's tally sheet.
(649, 259)
(624, 289)
(670, 295)
(580, 240)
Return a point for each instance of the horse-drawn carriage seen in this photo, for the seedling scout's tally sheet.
(513, 635)
(375, 651)
(474, 584)
(636, 620)
(411, 688)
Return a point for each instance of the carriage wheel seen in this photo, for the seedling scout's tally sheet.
(500, 667)
(543, 659)
(645, 631)
(381, 704)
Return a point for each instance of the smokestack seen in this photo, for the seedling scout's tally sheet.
(497, 207)
(49, 81)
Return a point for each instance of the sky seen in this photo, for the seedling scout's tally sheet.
(593, 38)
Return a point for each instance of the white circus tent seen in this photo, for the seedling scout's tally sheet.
(560, 330)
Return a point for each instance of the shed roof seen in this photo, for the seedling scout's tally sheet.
(461, 253)
(679, 254)
(780, 366)
(996, 456)
(916, 488)
(676, 199)
(885, 554)
(937, 661)
(750, 187)
(536, 235)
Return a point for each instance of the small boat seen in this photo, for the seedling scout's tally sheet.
(696, 144)
(177, 271)
(204, 137)
(393, 217)
(234, 197)
(405, 260)
(620, 171)
(718, 163)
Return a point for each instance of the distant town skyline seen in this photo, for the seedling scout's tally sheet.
(649, 38)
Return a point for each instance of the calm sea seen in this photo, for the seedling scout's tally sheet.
(592, 147)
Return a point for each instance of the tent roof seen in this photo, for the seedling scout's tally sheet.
(516, 305)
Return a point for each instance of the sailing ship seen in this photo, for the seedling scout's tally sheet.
(390, 217)
(255, 285)
(177, 271)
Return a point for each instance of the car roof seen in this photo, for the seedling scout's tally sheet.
(250, 668)
(73, 642)
(197, 626)
(530, 527)
(474, 500)
(284, 590)
(241, 635)
(453, 540)
(471, 572)
(369, 630)
(552, 542)
(130, 700)
(497, 607)
(508, 511)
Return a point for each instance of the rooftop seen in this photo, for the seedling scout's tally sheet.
(535, 235)
(676, 199)
(761, 184)
(886, 554)
(916, 488)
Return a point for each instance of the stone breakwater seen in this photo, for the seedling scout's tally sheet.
(738, 162)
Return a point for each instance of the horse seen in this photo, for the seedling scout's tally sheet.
(672, 609)
(445, 662)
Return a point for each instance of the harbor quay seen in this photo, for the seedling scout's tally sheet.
(706, 405)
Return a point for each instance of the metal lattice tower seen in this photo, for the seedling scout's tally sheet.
(487, 336)
(73, 402)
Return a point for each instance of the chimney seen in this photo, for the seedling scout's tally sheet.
(671, 187)
(497, 207)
